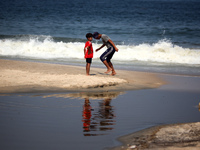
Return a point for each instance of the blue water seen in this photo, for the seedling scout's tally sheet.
(162, 35)
(129, 21)
(152, 35)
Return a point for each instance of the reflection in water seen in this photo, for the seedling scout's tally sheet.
(101, 121)
(90, 95)
(199, 106)
(86, 115)
(98, 120)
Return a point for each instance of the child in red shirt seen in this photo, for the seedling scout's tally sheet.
(88, 52)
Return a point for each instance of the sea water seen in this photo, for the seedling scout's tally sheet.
(151, 35)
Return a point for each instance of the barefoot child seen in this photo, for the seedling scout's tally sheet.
(88, 52)
(107, 55)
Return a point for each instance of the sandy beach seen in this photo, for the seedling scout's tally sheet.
(33, 77)
(21, 76)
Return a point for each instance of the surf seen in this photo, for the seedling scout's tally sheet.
(47, 48)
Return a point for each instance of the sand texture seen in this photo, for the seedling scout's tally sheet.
(21, 76)
(169, 137)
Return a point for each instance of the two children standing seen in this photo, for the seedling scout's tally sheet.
(105, 57)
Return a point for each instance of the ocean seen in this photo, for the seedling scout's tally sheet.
(151, 35)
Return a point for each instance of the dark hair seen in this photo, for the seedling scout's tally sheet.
(88, 35)
(95, 34)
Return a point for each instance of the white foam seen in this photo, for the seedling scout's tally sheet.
(161, 52)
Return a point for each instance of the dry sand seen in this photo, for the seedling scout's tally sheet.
(21, 76)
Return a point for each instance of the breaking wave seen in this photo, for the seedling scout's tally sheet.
(47, 48)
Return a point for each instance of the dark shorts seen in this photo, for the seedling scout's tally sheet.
(108, 54)
(89, 60)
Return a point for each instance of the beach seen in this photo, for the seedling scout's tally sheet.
(21, 77)
(47, 102)
(169, 137)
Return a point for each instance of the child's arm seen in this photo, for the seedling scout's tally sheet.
(89, 50)
(85, 50)
(111, 42)
(100, 47)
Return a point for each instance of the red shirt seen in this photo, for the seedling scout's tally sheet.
(89, 51)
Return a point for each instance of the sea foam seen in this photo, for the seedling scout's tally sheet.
(161, 52)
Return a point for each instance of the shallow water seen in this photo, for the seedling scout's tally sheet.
(91, 120)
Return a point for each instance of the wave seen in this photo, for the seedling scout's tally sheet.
(46, 47)
(162, 52)
(40, 38)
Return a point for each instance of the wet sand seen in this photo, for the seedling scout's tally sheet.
(169, 137)
(22, 77)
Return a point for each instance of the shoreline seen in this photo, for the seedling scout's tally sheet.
(30, 77)
(16, 71)
(177, 136)
(169, 137)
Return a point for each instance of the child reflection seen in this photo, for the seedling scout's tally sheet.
(101, 121)
(86, 115)
(106, 115)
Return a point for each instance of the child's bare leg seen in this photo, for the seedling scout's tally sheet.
(88, 69)
(113, 70)
(109, 69)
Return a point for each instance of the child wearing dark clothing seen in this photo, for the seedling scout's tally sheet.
(108, 54)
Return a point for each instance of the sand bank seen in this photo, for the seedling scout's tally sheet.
(168, 137)
(22, 76)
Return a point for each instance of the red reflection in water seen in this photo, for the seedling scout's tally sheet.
(100, 122)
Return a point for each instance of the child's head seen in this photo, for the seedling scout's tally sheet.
(89, 36)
